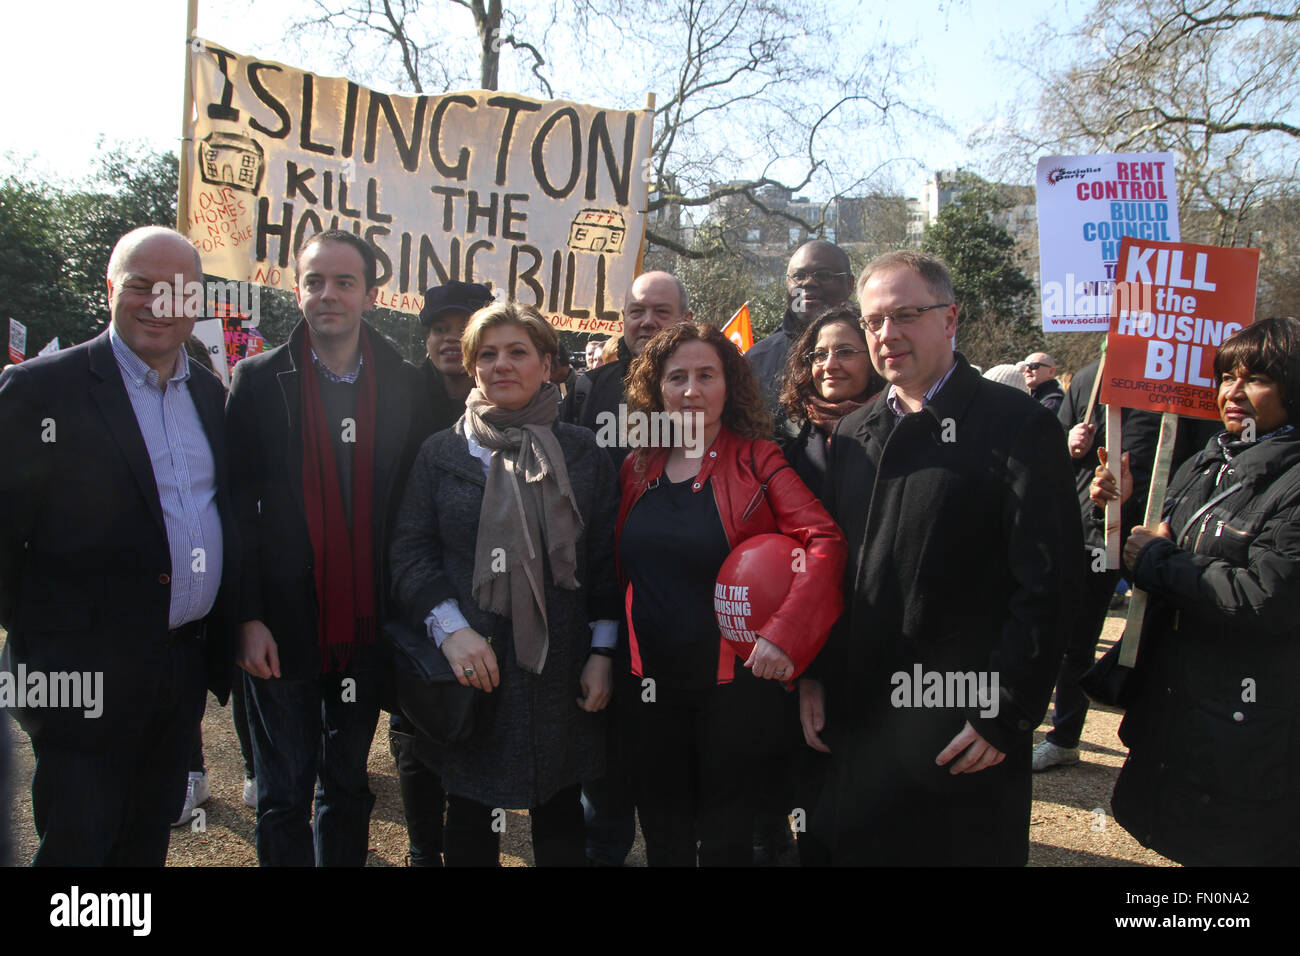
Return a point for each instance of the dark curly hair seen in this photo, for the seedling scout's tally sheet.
(797, 381)
(744, 413)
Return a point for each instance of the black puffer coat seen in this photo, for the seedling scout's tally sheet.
(1213, 773)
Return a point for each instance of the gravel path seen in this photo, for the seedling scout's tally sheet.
(1070, 823)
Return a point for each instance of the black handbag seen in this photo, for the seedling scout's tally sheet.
(1109, 683)
(440, 707)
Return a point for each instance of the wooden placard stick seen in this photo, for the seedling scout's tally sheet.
(1096, 387)
(187, 115)
(1137, 607)
(1114, 451)
(645, 226)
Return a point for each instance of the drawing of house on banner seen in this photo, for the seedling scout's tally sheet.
(228, 159)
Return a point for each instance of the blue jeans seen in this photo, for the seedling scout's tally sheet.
(313, 735)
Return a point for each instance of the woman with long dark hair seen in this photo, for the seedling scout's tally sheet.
(827, 375)
(700, 726)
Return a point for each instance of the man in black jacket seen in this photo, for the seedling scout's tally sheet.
(1039, 370)
(324, 430)
(817, 278)
(1140, 431)
(115, 528)
(655, 300)
(956, 498)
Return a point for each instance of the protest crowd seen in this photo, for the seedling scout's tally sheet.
(841, 573)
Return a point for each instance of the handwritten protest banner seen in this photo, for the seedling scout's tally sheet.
(1174, 304)
(543, 200)
(1086, 205)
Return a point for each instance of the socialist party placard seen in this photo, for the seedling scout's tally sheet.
(543, 200)
(1086, 205)
(1174, 305)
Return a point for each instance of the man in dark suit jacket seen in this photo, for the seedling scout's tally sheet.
(956, 497)
(115, 527)
(323, 430)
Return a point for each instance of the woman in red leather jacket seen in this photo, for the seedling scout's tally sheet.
(697, 727)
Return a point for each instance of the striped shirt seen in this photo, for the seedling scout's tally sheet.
(186, 478)
(896, 405)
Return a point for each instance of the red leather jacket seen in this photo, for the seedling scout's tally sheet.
(739, 467)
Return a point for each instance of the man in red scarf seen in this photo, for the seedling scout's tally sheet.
(323, 431)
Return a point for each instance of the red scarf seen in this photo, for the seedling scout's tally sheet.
(825, 414)
(344, 567)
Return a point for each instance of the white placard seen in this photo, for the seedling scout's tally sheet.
(1086, 204)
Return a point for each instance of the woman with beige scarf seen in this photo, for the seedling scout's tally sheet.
(504, 552)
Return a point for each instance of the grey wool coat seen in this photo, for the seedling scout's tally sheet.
(537, 740)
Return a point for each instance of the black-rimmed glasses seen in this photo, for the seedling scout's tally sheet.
(822, 276)
(822, 356)
(875, 321)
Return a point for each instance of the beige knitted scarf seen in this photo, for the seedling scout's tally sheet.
(528, 505)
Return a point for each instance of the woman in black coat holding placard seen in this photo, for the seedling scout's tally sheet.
(1212, 776)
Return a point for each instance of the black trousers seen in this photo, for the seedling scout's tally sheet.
(239, 712)
(423, 799)
(1080, 651)
(472, 836)
(700, 759)
(114, 805)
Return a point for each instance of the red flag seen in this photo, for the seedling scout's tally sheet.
(739, 330)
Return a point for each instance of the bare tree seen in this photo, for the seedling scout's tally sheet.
(736, 80)
(369, 31)
(1213, 81)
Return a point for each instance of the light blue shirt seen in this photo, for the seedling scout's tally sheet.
(186, 478)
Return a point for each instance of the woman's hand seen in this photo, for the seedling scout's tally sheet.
(471, 659)
(1103, 487)
(597, 683)
(1140, 537)
(768, 661)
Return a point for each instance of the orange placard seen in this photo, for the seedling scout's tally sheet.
(1174, 304)
(739, 330)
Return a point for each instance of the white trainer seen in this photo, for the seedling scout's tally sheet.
(1048, 755)
(197, 792)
